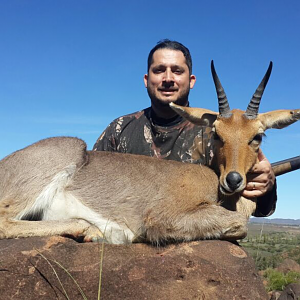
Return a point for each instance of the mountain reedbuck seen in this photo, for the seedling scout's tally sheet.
(56, 187)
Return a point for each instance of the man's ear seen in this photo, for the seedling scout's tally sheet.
(146, 80)
(192, 81)
(199, 116)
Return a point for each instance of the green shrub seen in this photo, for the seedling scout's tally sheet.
(278, 281)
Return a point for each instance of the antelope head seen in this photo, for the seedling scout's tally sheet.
(237, 134)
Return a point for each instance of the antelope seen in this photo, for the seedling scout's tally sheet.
(57, 187)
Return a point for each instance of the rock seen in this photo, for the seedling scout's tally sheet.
(274, 295)
(288, 265)
(291, 292)
(195, 270)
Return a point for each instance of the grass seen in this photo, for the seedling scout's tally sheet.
(269, 245)
(278, 280)
(51, 263)
(55, 273)
(100, 270)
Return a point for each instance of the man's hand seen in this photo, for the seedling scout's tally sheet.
(260, 179)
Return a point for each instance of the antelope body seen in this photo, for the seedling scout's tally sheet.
(57, 187)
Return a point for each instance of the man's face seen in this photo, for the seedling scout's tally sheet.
(168, 79)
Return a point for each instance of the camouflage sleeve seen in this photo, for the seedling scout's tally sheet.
(266, 204)
(107, 141)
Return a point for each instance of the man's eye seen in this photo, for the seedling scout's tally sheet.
(157, 71)
(178, 72)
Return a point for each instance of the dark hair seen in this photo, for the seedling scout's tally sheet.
(173, 45)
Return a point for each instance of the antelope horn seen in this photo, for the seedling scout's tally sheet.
(252, 109)
(224, 108)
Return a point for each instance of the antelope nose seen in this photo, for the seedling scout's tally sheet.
(234, 180)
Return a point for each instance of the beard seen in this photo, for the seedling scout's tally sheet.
(163, 102)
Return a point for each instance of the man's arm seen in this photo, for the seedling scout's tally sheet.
(262, 184)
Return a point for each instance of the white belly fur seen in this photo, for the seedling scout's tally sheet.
(57, 204)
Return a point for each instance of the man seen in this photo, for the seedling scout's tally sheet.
(159, 132)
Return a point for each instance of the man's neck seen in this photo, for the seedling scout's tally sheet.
(165, 122)
(164, 111)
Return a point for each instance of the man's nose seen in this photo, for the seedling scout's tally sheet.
(168, 76)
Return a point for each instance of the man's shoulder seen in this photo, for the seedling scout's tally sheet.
(132, 116)
(110, 137)
(125, 123)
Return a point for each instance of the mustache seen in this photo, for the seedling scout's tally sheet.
(167, 89)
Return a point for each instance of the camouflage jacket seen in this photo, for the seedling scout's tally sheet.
(178, 139)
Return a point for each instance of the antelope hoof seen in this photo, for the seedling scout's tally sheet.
(93, 234)
(236, 232)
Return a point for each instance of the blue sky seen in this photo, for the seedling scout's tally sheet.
(69, 67)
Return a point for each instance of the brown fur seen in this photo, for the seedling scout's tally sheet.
(153, 199)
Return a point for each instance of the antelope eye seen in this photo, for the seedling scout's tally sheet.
(258, 138)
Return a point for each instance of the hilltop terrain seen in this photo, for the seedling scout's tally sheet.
(276, 221)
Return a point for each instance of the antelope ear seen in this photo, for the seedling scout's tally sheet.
(279, 118)
(198, 116)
